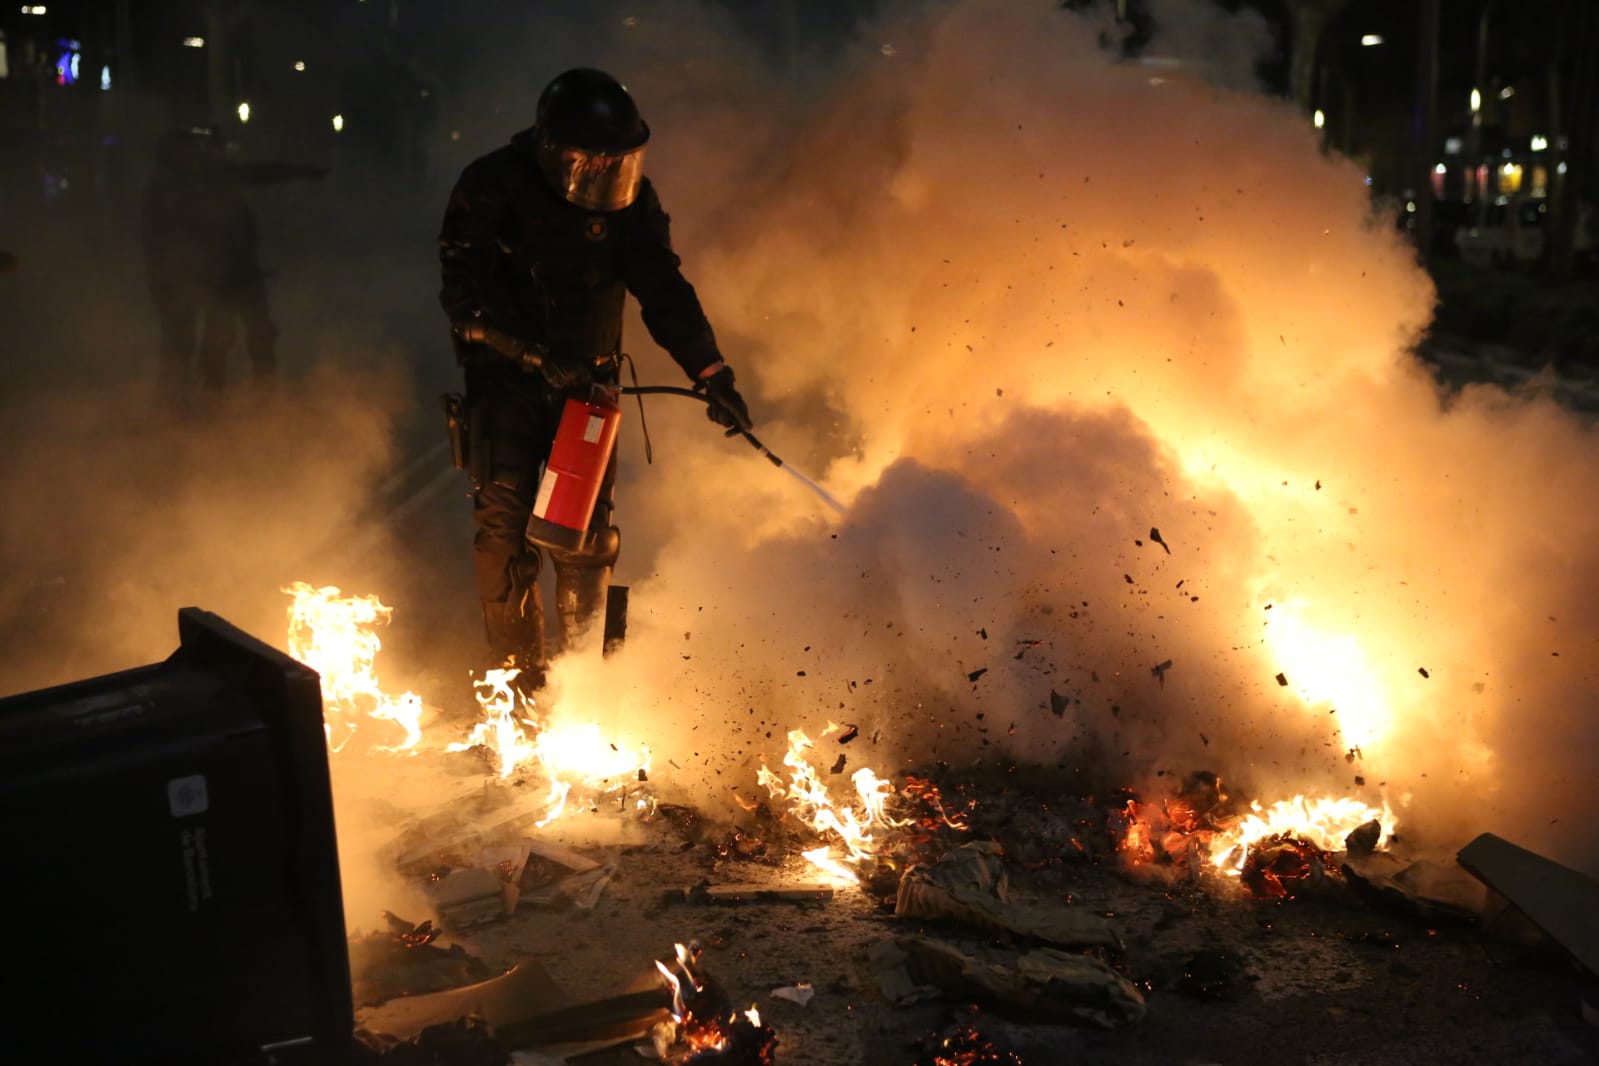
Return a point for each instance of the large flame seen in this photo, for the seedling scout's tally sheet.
(809, 800)
(1324, 822)
(336, 635)
(568, 753)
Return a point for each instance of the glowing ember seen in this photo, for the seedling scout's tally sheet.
(808, 799)
(703, 1028)
(336, 635)
(1321, 822)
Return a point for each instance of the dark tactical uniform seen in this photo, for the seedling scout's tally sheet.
(202, 263)
(518, 256)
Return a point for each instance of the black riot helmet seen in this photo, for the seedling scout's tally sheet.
(590, 140)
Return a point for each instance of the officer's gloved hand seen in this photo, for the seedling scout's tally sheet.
(564, 376)
(727, 407)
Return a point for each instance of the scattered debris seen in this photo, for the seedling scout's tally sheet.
(503, 1000)
(801, 993)
(1158, 671)
(1057, 704)
(963, 1044)
(975, 674)
(849, 734)
(1043, 984)
(1426, 889)
(470, 896)
(1362, 840)
(1154, 535)
(804, 892)
(1282, 679)
(968, 885)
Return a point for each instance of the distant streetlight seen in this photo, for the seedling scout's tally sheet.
(1371, 40)
(338, 123)
(1507, 92)
(1476, 101)
(1319, 118)
(299, 64)
(35, 9)
(194, 42)
(1440, 169)
(244, 111)
(1539, 142)
(105, 79)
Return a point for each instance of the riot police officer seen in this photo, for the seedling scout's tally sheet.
(541, 241)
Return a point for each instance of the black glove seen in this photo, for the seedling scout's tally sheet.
(727, 407)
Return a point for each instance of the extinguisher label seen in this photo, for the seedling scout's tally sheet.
(546, 490)
(591, 432)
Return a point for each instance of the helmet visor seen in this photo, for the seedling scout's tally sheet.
(599, 181)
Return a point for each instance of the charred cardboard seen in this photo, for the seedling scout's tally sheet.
(1044, 984)
(968, 885)
(1560, 901)
(526, 1008)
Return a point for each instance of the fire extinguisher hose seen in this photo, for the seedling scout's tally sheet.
(673, 390)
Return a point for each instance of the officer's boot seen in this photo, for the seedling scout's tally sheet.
(581, 580)
(516, 626)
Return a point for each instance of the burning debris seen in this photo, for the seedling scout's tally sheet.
(704, 1026)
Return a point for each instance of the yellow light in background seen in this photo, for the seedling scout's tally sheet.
(1507, 92)
(244, 111)
(1539, 142)
(1510, 178)
(1329, 669)
(1440, 169)
(299, 64)
(194, 42)
(1371, 39)
(1319, 118)
(338, 123)
(1476, 101)
(35, 9)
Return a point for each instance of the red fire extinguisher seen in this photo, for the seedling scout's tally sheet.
(570, 487)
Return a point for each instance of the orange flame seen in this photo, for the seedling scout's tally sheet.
(1323, 822)
(569, 753)
(809, 800)
(336, 636)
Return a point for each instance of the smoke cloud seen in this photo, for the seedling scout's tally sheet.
(1112, 364)
(1024, 306)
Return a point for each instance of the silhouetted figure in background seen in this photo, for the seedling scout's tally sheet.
(202, 258)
